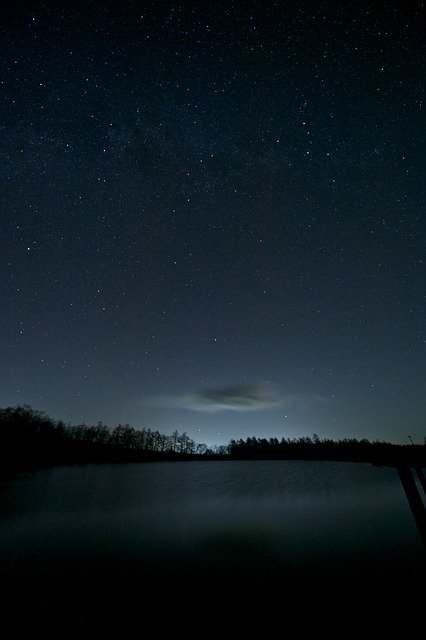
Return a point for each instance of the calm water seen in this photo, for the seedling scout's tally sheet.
(111, 530)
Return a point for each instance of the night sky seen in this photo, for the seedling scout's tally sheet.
(211, 216)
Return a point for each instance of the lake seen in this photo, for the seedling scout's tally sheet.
(103, 534)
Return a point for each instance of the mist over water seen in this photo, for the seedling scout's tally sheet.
(118, 527)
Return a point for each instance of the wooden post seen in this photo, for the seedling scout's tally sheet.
(414, 500)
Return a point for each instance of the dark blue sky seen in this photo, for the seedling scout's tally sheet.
(211, 216)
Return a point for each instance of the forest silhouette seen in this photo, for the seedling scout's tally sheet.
(30, 438)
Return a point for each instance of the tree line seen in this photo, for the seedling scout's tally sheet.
(315, 448)
(31, 438)
(253, 443)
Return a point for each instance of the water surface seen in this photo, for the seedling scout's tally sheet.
(106, 531)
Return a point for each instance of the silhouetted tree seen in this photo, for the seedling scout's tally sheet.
(174, 441)
(201, 449)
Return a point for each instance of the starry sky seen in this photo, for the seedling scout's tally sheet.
(211, 216)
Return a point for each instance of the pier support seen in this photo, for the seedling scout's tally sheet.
(414, 499)
(421, 477)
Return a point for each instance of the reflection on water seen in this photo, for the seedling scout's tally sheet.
(260, 523)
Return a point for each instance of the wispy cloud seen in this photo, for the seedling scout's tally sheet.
(249, 397)
(244, 397)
